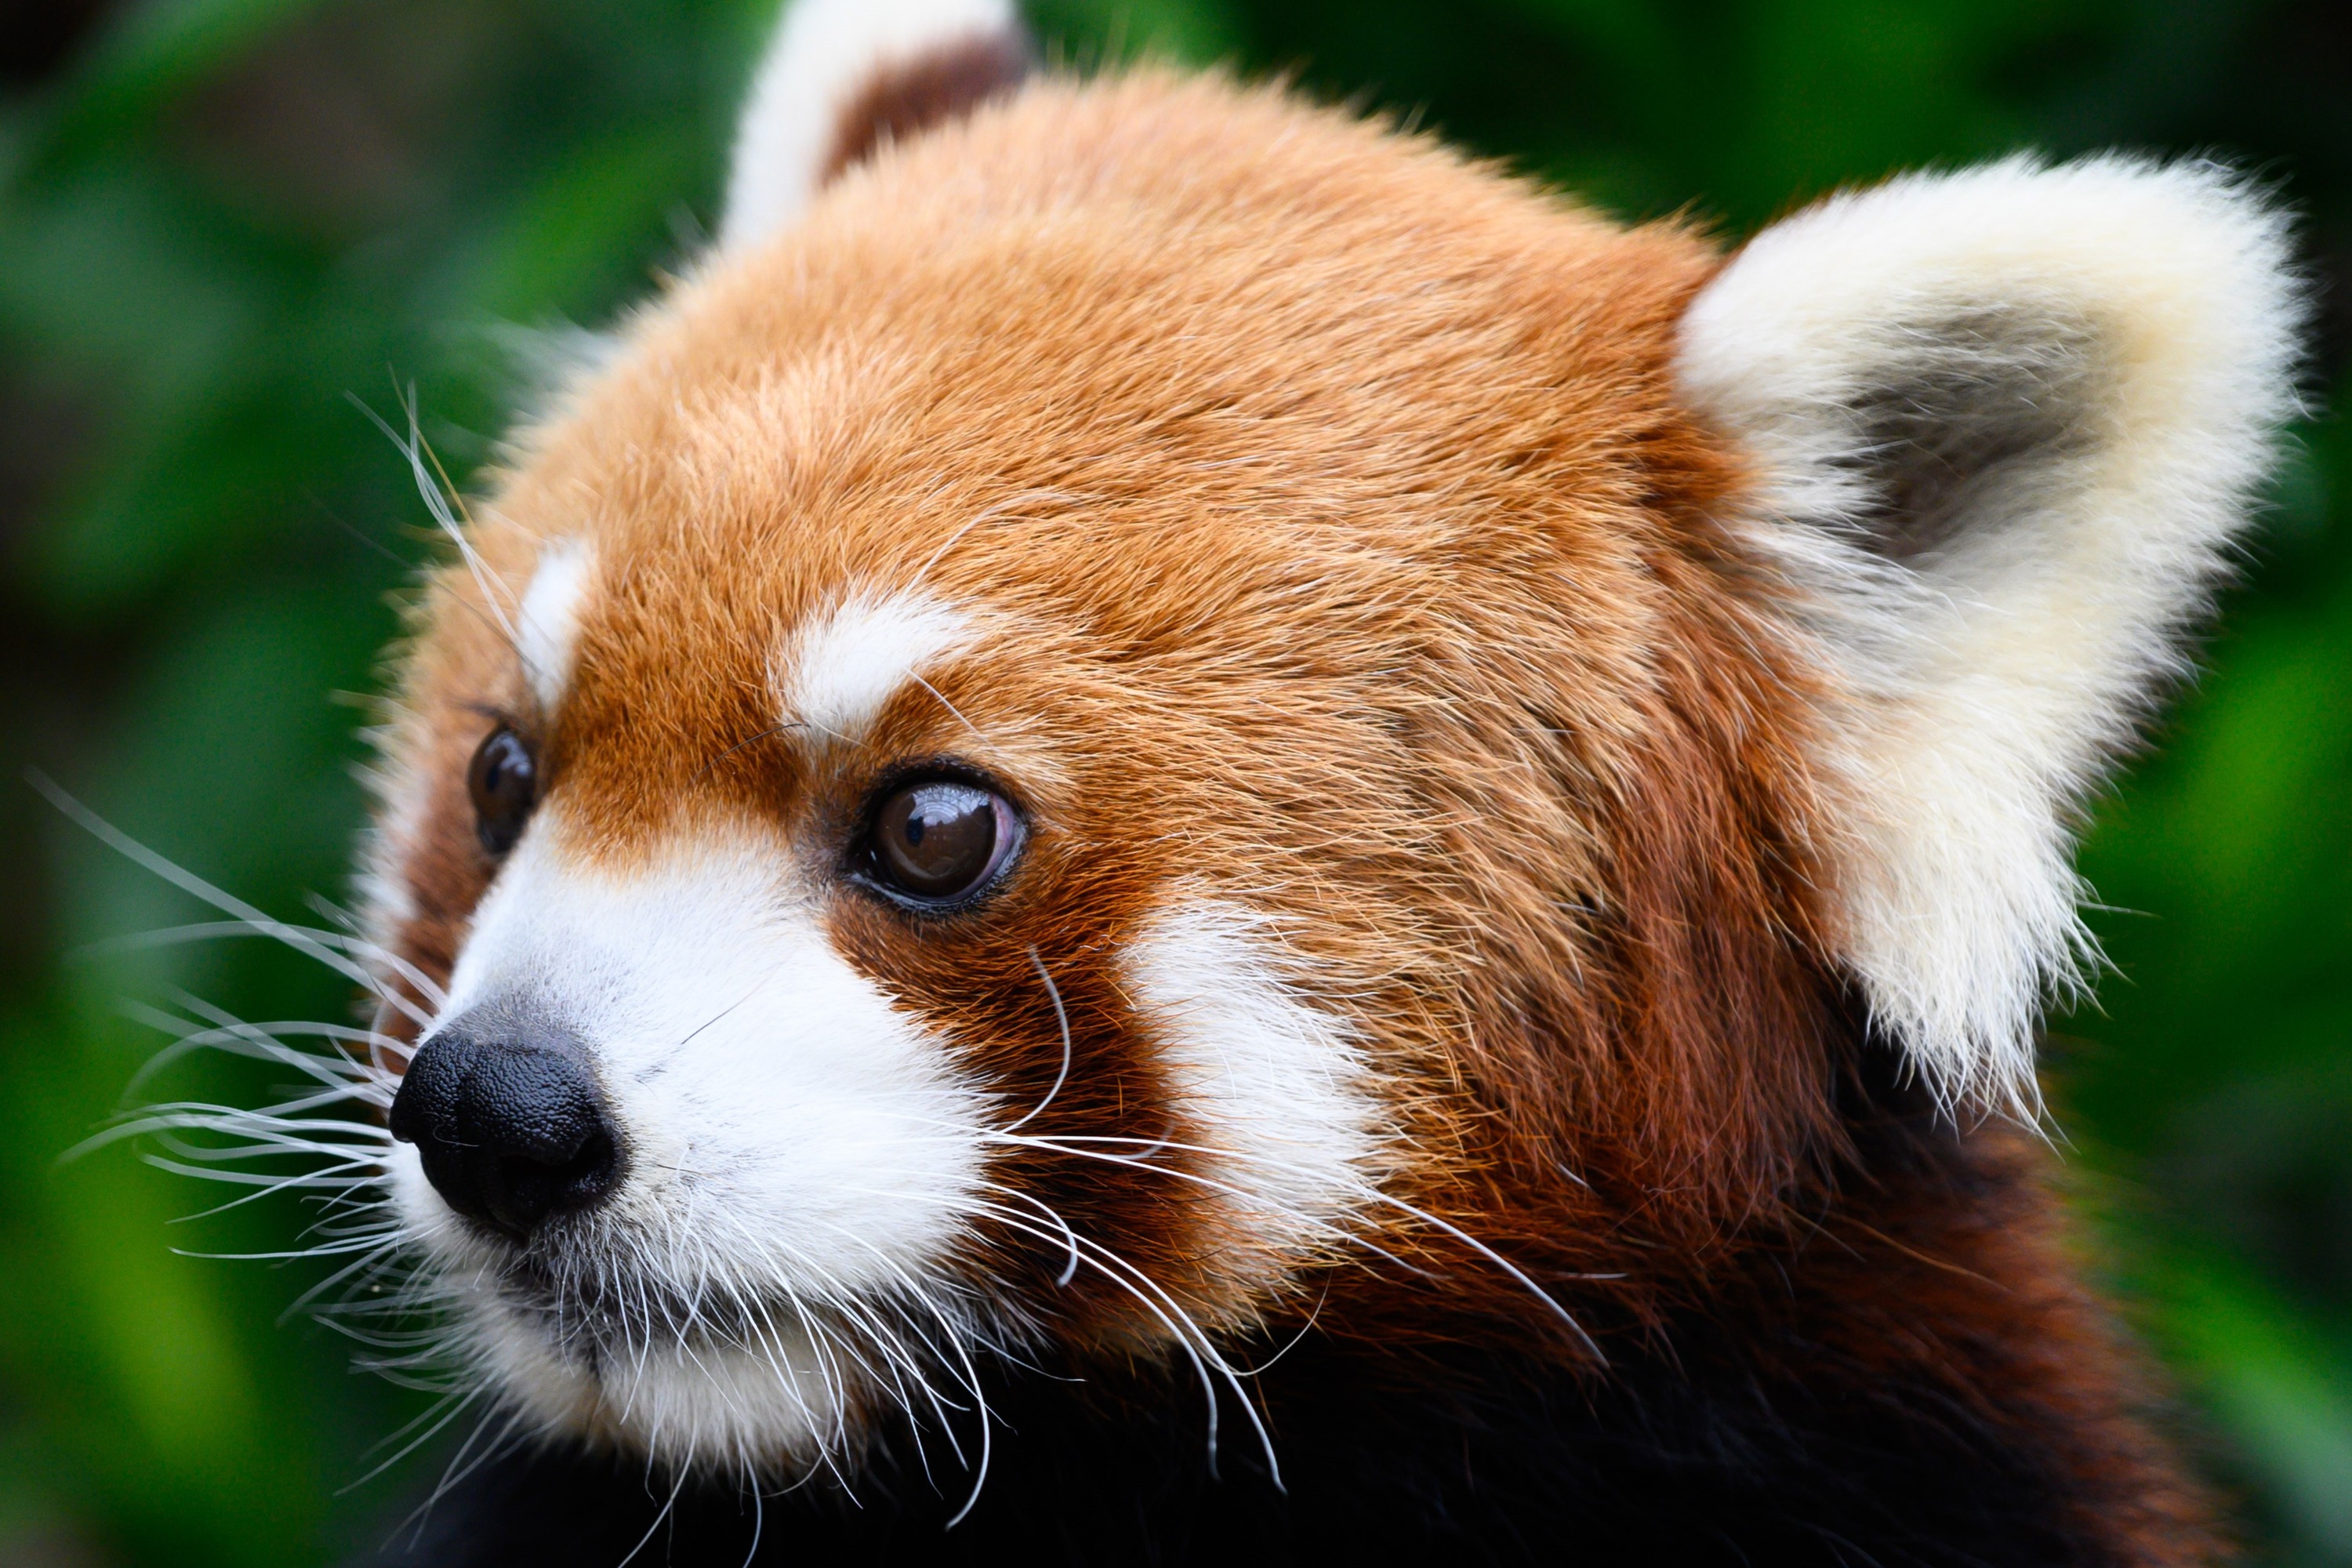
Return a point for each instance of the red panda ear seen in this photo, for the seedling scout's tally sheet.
(845, 76)
(2006, 424)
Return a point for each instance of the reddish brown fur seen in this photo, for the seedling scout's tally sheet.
(1344, 552)
(912, 95)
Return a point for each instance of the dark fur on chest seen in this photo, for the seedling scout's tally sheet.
(1884, 1388)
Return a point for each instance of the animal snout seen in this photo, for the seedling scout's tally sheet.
(511, 1124)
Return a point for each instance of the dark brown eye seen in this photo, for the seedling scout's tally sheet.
(940, 841)
(503, 779)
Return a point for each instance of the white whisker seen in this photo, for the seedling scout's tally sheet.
(222, 931)
(187, 881)
(1061, 1017)
(1362, 1192)
(441, 504)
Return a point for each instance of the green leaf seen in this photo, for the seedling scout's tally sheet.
(153, 53)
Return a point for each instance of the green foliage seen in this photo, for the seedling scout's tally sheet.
(224, 218)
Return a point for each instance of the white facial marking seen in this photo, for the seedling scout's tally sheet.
(730, 1407)
(844, 665)
(792, 1140)
(547, 627)
(1275, 1084)
(402, 795)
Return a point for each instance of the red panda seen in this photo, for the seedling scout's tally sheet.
(1169, 828)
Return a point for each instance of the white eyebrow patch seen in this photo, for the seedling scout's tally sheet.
(547, 626)
(842, 666)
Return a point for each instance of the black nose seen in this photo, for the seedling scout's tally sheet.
(511, 1131)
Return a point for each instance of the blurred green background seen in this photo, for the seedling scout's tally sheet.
(221, 218)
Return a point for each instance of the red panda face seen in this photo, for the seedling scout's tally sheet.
(1172, 716)
(1014, 808)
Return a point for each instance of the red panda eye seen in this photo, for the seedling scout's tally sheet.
(503, 780)
(940, 840)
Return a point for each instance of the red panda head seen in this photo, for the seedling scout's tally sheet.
(1160, 713)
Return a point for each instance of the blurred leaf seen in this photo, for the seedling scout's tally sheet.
(148, 1392)
(581, 238)
(2282, 1390)
(157, 49)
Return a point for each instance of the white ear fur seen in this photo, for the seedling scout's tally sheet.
(825, 53)
(2006, 423)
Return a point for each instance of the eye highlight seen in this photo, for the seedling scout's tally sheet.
(936, 842)
(503, 780)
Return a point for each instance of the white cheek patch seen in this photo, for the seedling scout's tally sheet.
(1279, 1089)
(842, 666)
(793, 1139)
(547, 627)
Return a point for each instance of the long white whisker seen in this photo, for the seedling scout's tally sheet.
(438, 505)
(676, 1487)
(759, 1523)
(424, 1427)
(1190, 1337)
(1310, 1222)
(1062, 1017)
(1070, 1271)
(186, 881)
(336, 1069)
(219, 930)
(459, 1467)
(1362, 1191)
